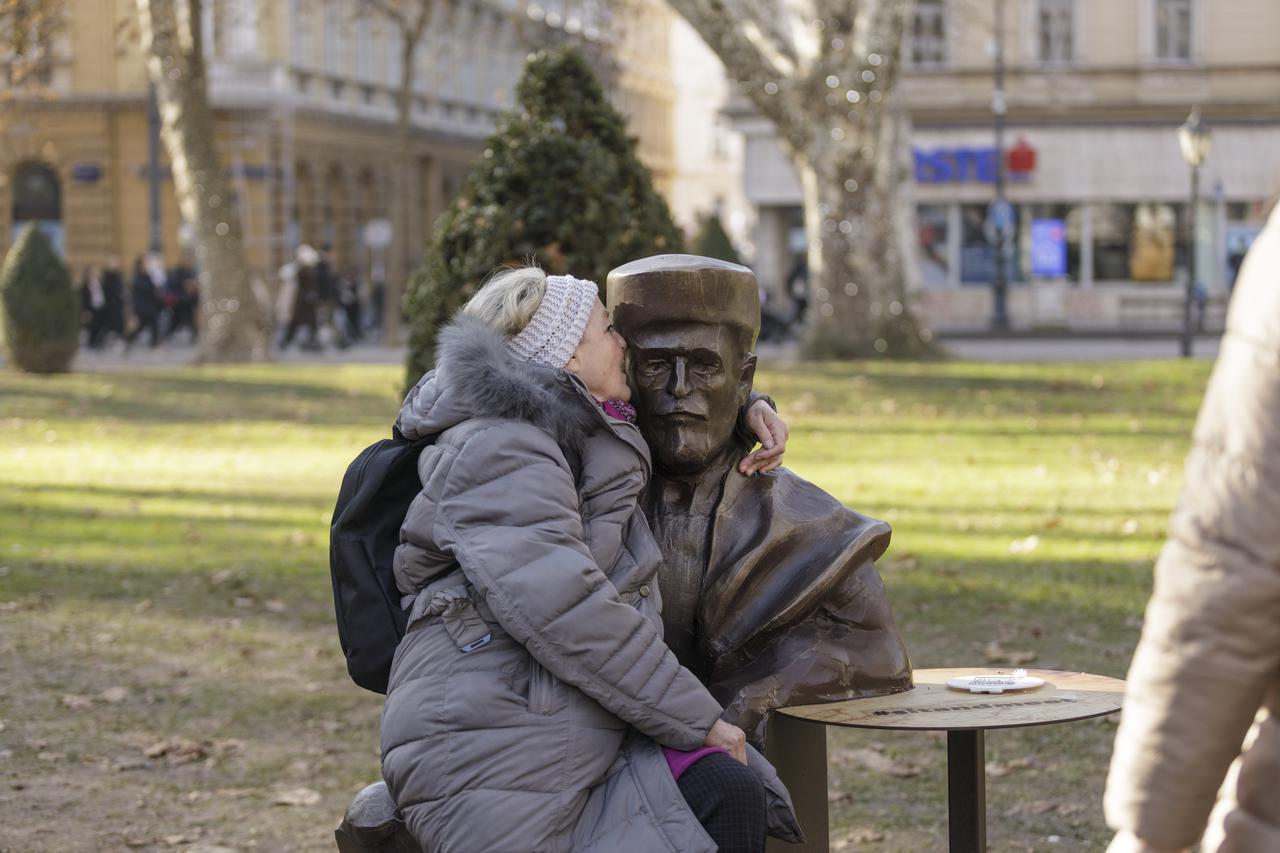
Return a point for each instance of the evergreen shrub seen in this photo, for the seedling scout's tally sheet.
(712, 241)
(41, 308)
(558, 184)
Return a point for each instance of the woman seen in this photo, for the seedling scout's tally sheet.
(532, 695)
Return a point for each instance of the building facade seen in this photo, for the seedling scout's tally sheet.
(1095, 93)
(305, 97)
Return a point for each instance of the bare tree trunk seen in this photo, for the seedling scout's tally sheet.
(397, 271)
(824, 72)
(234, 325)
(860, 302)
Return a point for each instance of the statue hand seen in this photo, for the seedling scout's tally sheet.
(729, 737)
(771, 431)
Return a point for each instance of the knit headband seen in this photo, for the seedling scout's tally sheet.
(557, 326)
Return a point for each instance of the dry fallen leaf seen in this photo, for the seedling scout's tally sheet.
(1004, 768)
(1024, 546)
(996, 653)
(114, 695)
(867, 836)
(76, 702)
(297, 797)
(879, 763)
(178, 750)
(275, 605)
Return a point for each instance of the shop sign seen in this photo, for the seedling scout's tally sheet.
(1048, 248)
(978, 165)
(86, 173)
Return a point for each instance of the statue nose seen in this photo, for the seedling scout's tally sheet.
(679, 382)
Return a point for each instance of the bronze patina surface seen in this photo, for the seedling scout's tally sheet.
(770, 590)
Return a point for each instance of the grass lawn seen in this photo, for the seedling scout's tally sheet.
(171, 671)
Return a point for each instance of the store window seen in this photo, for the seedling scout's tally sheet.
(1244, 222)
(978, 246)
(1055, 30)
(929, 33)
(1068, 217)
(1137, 242)
(1173, 30)
(931, 245)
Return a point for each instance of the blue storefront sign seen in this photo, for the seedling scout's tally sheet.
(1048, 248)
(965, 164)
(86, 173)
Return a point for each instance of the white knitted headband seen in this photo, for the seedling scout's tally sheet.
(557, 326)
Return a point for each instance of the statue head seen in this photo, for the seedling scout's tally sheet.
(690, 324)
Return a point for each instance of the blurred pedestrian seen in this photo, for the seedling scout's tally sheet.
(145, 297)
(1201, 705)
(93, 306)
(182, 291)
(113, 293)
(349, 305)
(299, 282)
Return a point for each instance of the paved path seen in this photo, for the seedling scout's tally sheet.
(1029, 349)
(1076, 348)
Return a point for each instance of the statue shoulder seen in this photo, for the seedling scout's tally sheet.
(789, 502)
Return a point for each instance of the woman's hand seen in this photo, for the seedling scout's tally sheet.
(771, 431)
(730, 737)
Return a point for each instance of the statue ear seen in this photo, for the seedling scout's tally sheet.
(748, 376)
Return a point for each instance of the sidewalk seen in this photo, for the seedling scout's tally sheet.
(968, 348)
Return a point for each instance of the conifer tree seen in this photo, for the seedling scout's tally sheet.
(41, 309)
(558, 184)
(712, 241)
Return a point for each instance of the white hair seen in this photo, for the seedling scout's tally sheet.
(509, 299)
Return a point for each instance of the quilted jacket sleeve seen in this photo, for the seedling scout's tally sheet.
(509, 514)
(1210, 645)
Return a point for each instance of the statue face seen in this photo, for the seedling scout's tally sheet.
(690, 380)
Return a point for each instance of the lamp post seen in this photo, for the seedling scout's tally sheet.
(1193, 139)
(999, 278)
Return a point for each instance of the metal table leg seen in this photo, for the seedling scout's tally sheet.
(967, 791)
(798, 750)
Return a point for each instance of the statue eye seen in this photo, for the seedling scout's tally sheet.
(654, 367)
(705, 368)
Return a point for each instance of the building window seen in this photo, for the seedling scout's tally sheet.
(931, 245)
(364, 49)
(1069, 218)
(929, 33)
(36, 198)
(332, 61)
(1055, 30)
(978, 247)
(1137, 242)
(1173, 30)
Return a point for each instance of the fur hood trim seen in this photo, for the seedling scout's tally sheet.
(476, 376)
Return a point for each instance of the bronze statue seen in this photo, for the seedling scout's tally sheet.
(770, 591)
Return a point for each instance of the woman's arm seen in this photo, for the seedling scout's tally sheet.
(509, 515)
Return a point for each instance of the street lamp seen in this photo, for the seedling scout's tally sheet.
(1193, 139)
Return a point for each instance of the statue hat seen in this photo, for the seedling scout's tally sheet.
(684, 289)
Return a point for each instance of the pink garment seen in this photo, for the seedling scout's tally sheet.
(679, 760)
(619, 410)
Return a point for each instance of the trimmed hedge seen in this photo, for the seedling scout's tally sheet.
(41, 308)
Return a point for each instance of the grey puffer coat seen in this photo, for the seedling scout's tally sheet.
(528, 700)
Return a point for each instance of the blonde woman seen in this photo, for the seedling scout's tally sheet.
(532, 698)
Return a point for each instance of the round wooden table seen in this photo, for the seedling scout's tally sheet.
(964, 716)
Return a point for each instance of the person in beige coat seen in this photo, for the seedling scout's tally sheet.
(1200, 715)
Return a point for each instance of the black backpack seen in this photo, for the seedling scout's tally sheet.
(372, 503)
